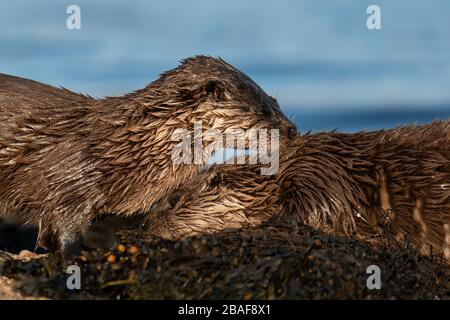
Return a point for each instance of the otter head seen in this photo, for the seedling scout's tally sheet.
(213, 94)
(212, 89)
(222, 197)
(153, 149)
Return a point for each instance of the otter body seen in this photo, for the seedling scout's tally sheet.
(67, 158)
(389, 184)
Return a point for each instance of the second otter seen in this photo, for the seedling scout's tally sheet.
(389, 184)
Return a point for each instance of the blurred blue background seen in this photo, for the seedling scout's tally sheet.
(318, 58)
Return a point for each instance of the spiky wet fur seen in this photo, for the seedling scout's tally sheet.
(67, 158)
(383, 185)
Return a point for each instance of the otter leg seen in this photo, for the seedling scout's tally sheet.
(69, 229)
(69, 244)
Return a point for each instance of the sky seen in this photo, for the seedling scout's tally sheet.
(314, 57)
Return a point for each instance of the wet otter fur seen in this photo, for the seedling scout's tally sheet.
(387, 185)
(66, 158)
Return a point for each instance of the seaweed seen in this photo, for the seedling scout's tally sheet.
(270, 261)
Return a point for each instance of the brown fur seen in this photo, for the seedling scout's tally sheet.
(389, 184)
(66, 158)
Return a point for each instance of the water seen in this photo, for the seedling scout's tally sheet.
(326, 69)
(372, 119)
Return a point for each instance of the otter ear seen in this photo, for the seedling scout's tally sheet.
(214, 88)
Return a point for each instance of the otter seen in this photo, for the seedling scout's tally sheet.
(67, 158)
(383, 185)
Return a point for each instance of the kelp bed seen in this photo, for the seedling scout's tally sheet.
(272, 261)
